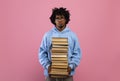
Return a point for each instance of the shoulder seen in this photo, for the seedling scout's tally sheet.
(73, 34)
(48, 33)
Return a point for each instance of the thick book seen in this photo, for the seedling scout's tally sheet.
(59, 53)
(59, 50)
(60, 43)
(53, 55)
(59, 66)
(58, 39)
(59, 72)
(58, 63)
(58, 76)
(59, 59)
(58, 69)
(59, 46)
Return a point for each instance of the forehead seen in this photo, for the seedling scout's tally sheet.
(59, 15)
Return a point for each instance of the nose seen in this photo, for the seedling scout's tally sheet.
(60, 20)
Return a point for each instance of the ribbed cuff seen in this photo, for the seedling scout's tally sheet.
(47, 66)
(71, 66)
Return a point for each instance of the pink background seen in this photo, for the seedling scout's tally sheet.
(23, 23)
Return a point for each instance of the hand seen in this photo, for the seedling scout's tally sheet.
(69, 69)
(49, 69)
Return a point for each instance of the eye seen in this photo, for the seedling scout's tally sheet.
(57, 18)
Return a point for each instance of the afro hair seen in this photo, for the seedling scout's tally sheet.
(60, 11)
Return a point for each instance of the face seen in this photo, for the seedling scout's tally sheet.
(60, 22)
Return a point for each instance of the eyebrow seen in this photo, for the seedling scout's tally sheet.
(60, 17)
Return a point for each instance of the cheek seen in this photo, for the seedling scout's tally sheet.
(55, 22)
(64, 22)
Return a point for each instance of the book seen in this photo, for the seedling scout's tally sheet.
(59, 39)
(59, 53)
(59, 72)
(59, 66)
(60, 43)
(54, 55)
(58, 76)
(58, 69)
(59, 46)
(59, 50)
(58, 63)
(58, 59)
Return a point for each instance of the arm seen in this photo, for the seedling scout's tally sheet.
(76, 54)
(43, 54)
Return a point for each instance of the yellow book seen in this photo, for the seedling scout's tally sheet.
(59, 46)
(60, 59)
(58, 69)
(58, 76)
(59, 39)
(58, 73)
(59, 63)
(59, 66)
(59, 50)
(60, 43)
(58, 55)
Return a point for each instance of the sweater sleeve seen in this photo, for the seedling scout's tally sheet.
(43, 54)
(76, 54)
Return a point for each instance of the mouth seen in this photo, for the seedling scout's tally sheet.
(60, 26)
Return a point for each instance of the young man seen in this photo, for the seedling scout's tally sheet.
(60, 18)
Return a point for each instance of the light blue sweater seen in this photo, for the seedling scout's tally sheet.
(74, 51)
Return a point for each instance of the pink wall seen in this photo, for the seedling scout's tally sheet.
(23, 23)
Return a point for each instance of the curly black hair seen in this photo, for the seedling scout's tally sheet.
(60, 11)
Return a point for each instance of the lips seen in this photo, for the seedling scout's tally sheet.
(60, 26)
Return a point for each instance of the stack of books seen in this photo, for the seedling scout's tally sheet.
(59, 57)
